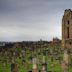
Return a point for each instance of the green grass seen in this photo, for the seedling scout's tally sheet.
(51, 65)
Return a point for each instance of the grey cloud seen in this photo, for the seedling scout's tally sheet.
(42, 15)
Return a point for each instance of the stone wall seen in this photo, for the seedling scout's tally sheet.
(67, 29)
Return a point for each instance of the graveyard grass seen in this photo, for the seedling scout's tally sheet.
(52, 65)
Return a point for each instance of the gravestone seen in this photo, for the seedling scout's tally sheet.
(35, 68)
(65, 62)
(44, 65)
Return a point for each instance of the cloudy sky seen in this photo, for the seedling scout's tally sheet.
(31, 19)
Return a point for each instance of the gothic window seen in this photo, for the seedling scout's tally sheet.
(67, 32)
(68, 21)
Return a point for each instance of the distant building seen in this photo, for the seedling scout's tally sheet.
(67, 29)
(56, 40)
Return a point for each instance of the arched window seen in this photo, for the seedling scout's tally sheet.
(67, 32)
(68, 21)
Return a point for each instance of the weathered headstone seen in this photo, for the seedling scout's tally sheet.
(65, 62)
(44, 65)
(35, 69)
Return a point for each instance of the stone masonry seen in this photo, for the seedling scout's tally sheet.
(67, 29)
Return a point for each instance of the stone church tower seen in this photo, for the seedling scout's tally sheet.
(67, 29)
(66, 36)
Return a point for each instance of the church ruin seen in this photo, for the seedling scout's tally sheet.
(67, 29)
